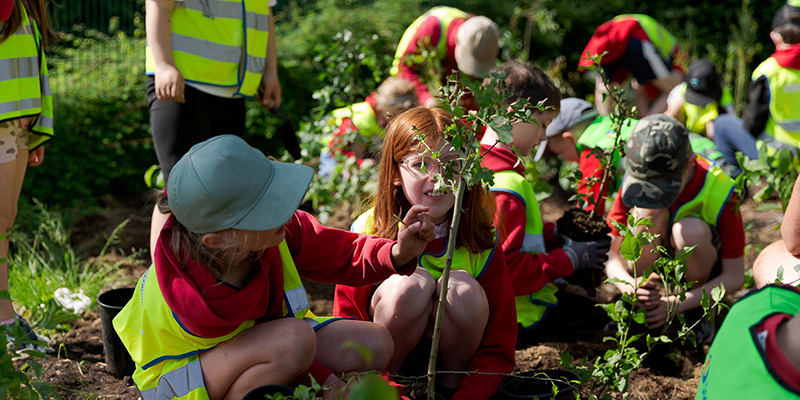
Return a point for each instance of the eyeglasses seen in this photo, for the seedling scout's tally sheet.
(425, 166)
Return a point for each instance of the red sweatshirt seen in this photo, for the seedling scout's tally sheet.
(5, 9)
(207, 308)
(496, 351)
(729, 226)
(431, 29)
(529, 272)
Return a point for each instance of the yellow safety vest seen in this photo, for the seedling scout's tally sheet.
(664, 41)
(446, 15)
(475, 264)
(531, 308)
(24, 83)
(783, 124)
(166, 355)
(710, 201)
(363, 117)
(697, 117)
(219, 42)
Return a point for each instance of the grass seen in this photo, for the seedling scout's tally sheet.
(46, 260)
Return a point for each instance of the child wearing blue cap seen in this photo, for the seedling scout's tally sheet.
(223, 310)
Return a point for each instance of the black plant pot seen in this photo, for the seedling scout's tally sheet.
(261, 392)
(118, 359)
(539, 385)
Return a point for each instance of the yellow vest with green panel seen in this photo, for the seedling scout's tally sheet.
(24, 83)
(663, 41)
(166, 354)
(531, 308)
(446, 15)
(736, 366)
(783, 124)
(697, 117)
(474, 264)
(711, 200)
(363, 118)
(219, 43)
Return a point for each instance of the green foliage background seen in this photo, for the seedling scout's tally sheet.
(102, 144)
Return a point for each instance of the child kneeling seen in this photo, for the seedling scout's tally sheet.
(223, 310)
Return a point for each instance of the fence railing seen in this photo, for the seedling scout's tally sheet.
(102, 44)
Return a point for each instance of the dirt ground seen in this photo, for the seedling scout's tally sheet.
(77, 369)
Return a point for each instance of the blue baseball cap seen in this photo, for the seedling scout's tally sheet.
(224, 183)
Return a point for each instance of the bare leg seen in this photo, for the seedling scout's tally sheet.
(156, 223)
(690, 232)
(465, 317)
(765, 268)
(604, 106)
(335, 352)
(273, 352)
(11, 176)
(403, 304)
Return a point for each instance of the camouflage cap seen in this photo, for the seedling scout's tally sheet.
(656, 152)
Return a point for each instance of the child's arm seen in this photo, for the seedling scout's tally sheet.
(336, 256)
(158, 24)
(529, 272)
(590, 167)
(269, 90)
(790, 227)
(414, 234)
(496, 350)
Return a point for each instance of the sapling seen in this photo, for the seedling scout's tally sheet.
(494, 112)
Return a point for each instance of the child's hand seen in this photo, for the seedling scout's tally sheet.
(36, 157)
(657, 316)
(169, 83)
(269, 91)
(414, 234)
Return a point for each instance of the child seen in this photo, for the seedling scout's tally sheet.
(361, 125)
(460, 41)
(26, 118)
(756, 354)
(524, 238)
(478, 332)
(783, 253)
(700, 99)
(213, 317)
(578, 130)
(637, 45)
(770, 116)
(691, 202)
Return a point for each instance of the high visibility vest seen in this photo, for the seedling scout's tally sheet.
(24, 83)
(446, 15)
(697, 117)
(705, 147)
(166, 354)
(783, 124)
(474, 264)
(663, 41)
(736, 365)
(710, 201)
(531, 308)
(363, 118)
(219, 42)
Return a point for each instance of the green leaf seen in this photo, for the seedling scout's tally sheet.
(630, 248)
(566, 359)
(640, 315)
(779, 277)
(704, 301)
(718, 292)
(797, 268)
(618, 280)
(372, 387)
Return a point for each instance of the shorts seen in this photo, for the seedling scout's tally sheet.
(13, 138)
(177, 127)
(642, 60)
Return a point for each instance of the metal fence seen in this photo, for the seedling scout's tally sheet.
(101, 46)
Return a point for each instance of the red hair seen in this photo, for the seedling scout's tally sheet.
(475, 230)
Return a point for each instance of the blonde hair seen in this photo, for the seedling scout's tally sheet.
(217, 260)
(395, 95)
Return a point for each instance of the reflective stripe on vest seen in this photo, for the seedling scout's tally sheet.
(531, 308)
(474, 264)
(735, 367)
(710, 201)
(24, 84)
(697, 117)
(178, 383)
(446, 15)
(783, 124)
(219, 42)
(165, 352)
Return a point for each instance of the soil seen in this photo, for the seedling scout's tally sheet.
(77, 370)
(583, 226)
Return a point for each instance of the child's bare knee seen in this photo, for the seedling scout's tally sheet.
(300, 344)
(411, 292)
(380, 343)
(691, 232)
(466, 299)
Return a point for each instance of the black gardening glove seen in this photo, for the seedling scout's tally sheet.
(586, 254)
